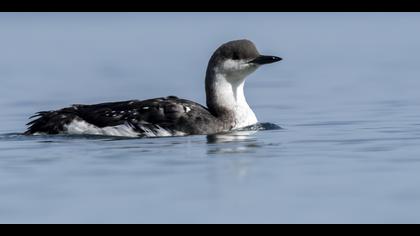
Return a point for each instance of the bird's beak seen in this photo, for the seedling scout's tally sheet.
(261, 60)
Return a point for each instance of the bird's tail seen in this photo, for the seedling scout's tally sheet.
(50, 122)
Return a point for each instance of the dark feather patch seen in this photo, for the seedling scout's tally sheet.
(170, 113)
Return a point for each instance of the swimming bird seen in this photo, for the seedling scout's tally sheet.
(227, 108)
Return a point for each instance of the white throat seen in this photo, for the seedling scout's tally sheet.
(230, 95)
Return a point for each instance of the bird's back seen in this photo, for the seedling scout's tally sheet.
(164, 116)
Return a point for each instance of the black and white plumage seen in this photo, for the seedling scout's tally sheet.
(226, 110)
(167, 116)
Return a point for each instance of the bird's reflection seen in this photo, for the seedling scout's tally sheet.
(233, 142)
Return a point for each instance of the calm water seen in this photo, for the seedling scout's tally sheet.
(346, 95)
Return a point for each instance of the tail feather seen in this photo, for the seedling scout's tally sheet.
(51, 122)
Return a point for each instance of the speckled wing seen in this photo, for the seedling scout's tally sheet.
(171, 114)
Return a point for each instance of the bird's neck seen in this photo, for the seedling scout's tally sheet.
(226, 100)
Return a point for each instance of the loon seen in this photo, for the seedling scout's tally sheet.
(227, 108)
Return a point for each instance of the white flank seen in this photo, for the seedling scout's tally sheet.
(84, 128)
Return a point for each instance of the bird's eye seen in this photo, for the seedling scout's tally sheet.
(235, 56)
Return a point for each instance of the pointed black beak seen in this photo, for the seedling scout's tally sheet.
(261, 60)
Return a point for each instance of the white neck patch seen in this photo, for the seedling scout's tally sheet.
(229, 87)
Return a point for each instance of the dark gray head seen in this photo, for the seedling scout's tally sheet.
(238, 59)
(226, 73)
